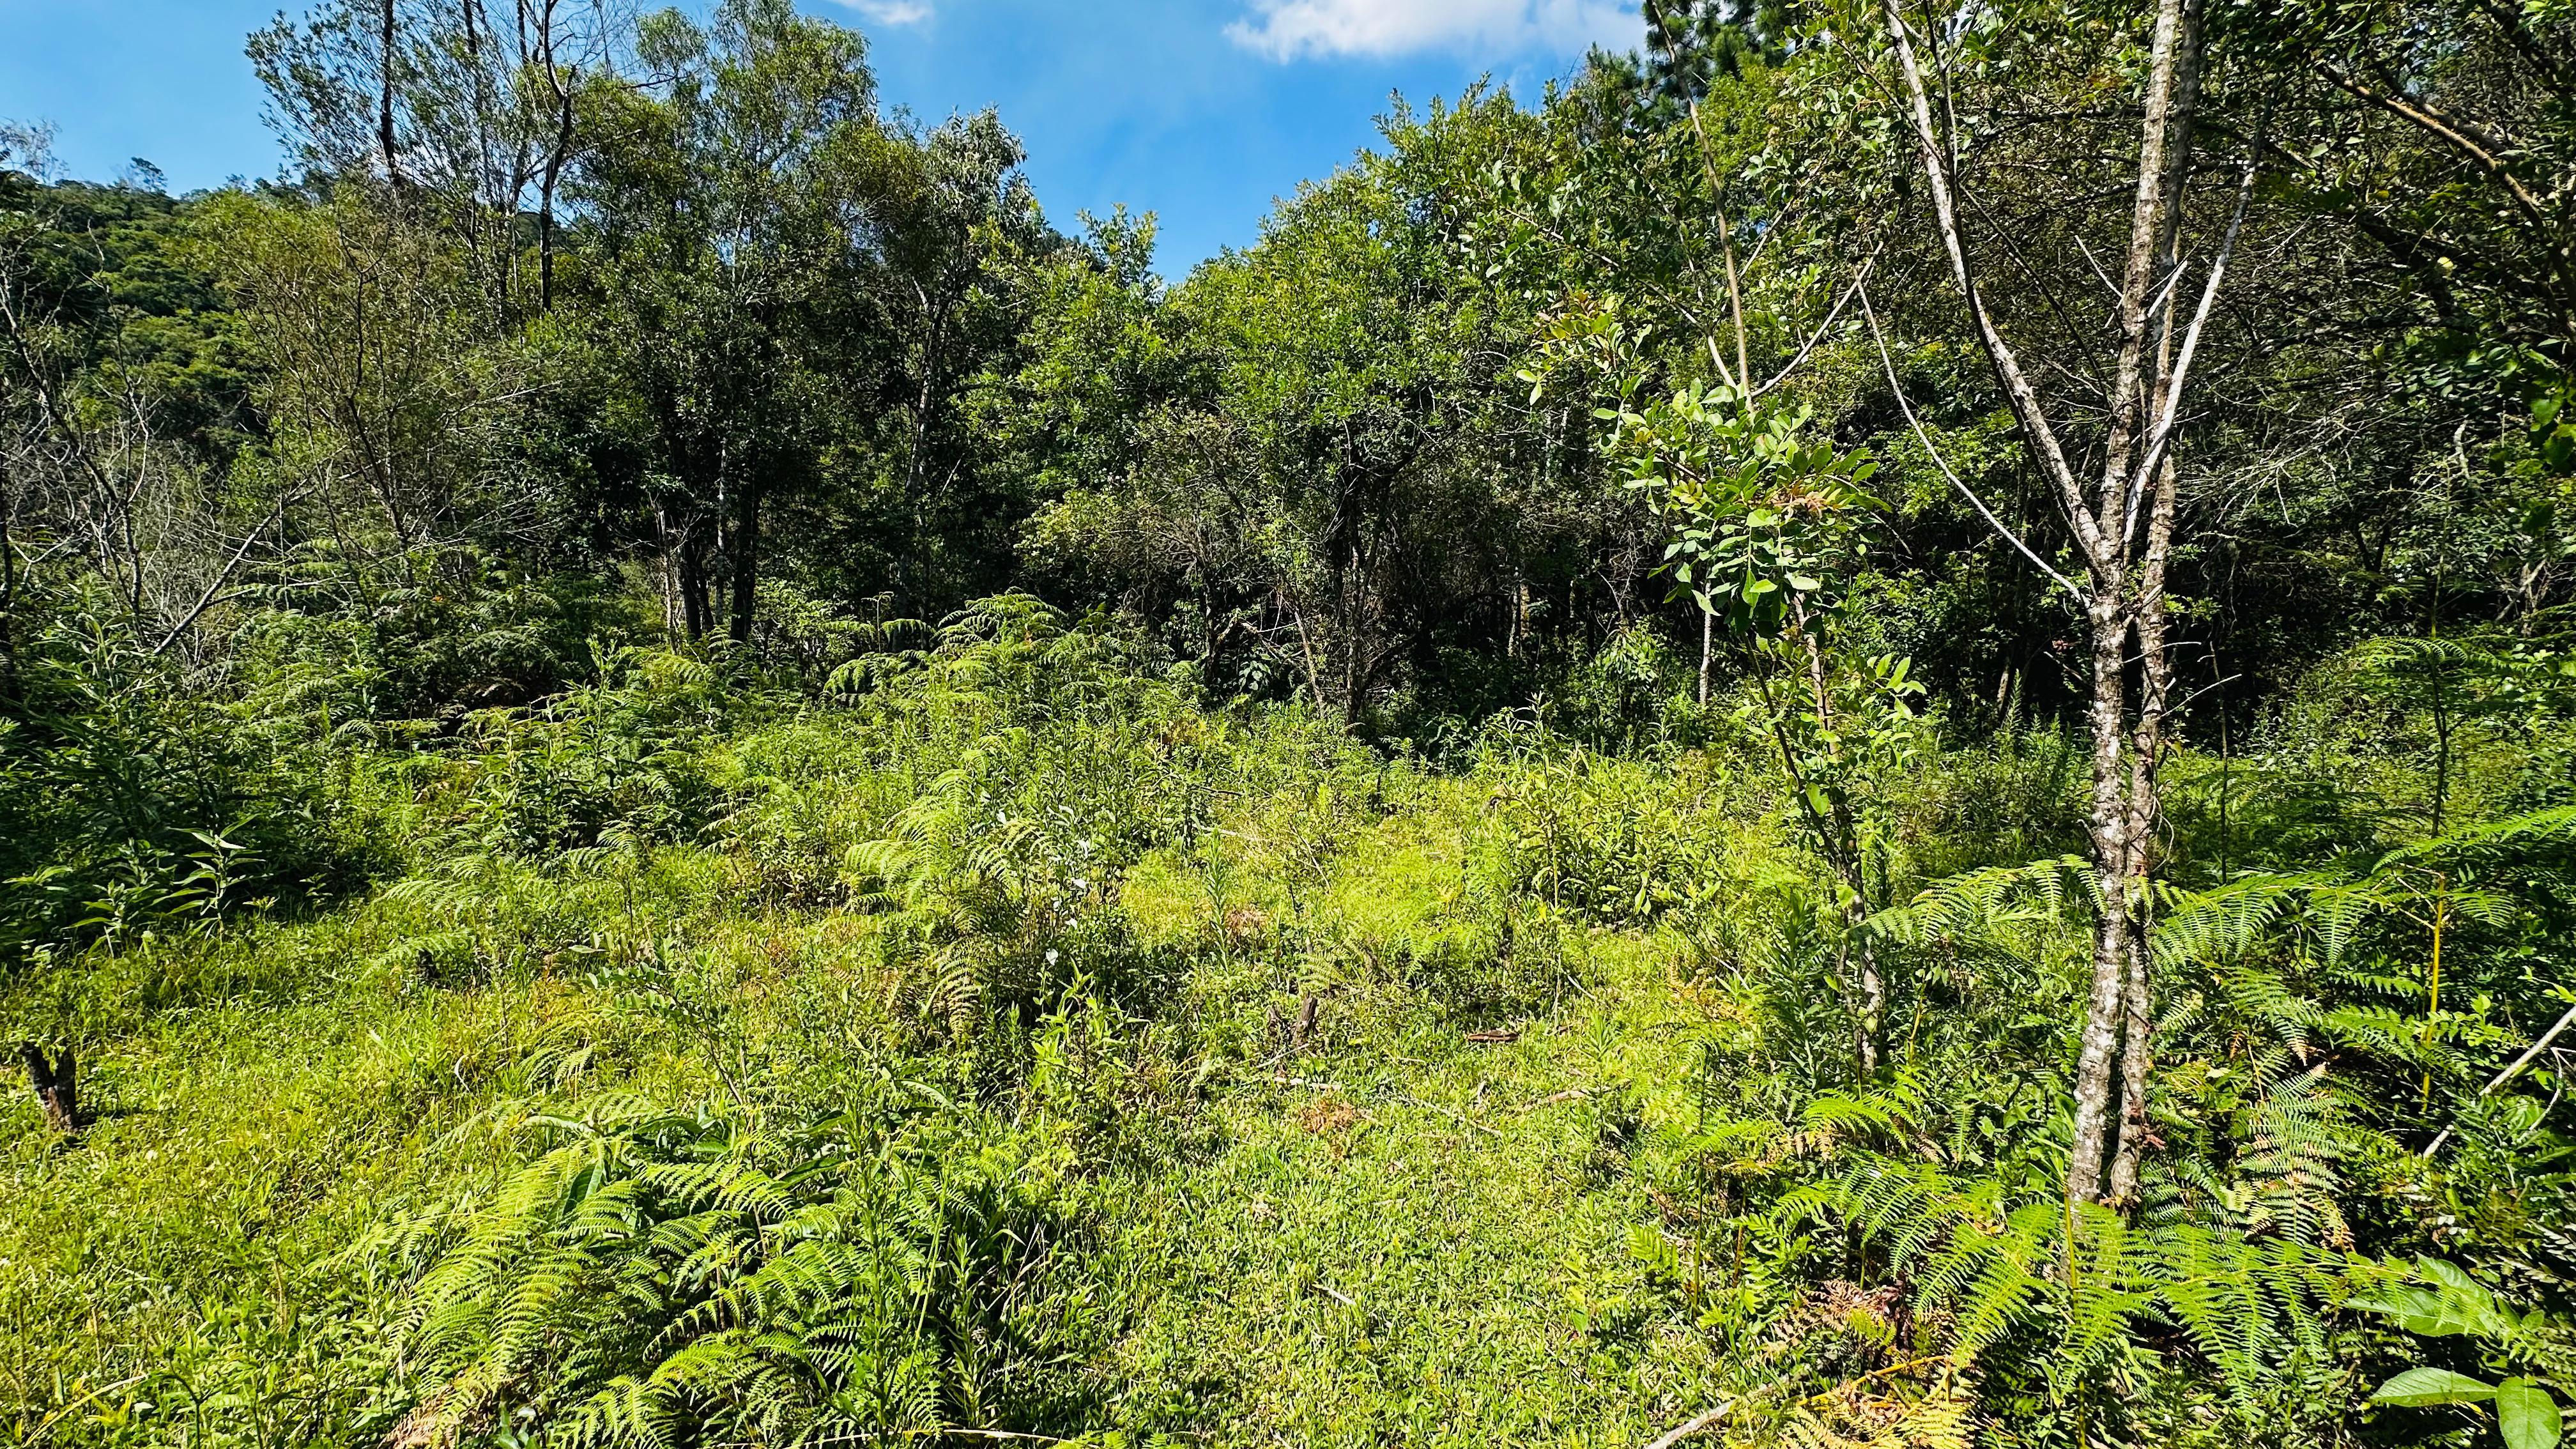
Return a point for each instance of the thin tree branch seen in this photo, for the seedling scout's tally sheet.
(2511, 1072)
(213, 590)
(2024, 399)
(1858, 278)
(1993, 522)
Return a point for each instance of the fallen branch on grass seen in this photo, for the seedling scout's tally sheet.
(1460, 1118)
(1718, 1415)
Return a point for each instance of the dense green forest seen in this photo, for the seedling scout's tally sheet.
(1859, 732)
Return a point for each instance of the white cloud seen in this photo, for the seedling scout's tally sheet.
(1288, 29)
(891, 12)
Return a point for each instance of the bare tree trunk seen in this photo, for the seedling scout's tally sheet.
(746, 563)
(2115, 1027)
(2137, 462)
(694, 610)
(675, 622)
(1707, 642)
(57, 1086)
(1314, 667)
(557, 156)
(2155, 689)
(8, 600)
(386, 140)
(2099, 1046)
(546, 223)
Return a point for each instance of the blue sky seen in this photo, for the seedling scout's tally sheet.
(1199, 110)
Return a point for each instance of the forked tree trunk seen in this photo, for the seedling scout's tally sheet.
(2155, 664)
(2124, 576)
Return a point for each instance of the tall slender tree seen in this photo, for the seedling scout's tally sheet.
(2108, 458)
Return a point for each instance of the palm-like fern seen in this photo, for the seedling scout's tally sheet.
(2282, 992)
(2078, 1284)
(668, 1280)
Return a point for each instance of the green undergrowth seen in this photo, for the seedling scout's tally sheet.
(1021, 946)
(1008, 1043)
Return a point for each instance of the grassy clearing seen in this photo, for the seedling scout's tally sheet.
(1245, 1081)
(1018, 1047)
(1432, 1248)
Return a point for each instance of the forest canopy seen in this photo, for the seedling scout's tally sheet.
(1858, 729)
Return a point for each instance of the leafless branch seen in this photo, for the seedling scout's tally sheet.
(1925, 438)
